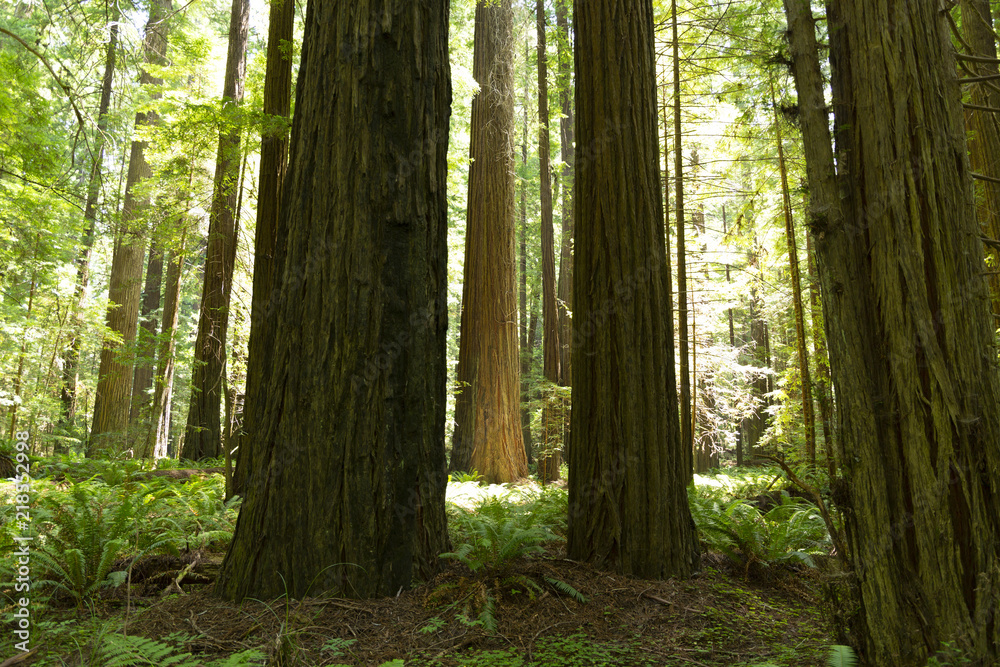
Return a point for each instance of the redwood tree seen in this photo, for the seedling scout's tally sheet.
(628, 508)
(347, 491)
(203, 436)
(909, 328)
(488, 435)
(114, 385)
(273, 164)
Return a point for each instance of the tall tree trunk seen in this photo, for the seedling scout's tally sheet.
(911, 337)
(22, 357)
(203, 435)
(984, 142)
(628, 508)
(808, 414)
(565, 51)
(487, 435)
(822, 360)
(142, 379)
(732, 340)
(163, 385)
(525, 348)
(549, 457)
(71, 357)
(687, 434)
(352, 440)
(273, 165)
(112, 402)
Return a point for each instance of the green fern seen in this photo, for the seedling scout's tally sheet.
(841, 656)
(566, 589)
(132, 651)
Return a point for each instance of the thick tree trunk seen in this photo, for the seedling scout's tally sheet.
(525, 348)
(273, 165)
(350, 499)
(984, 142)
(805, 379)
(112, 402)
(823, 388)
(203, 435)
(687, 434)
(549, 456)
(628, 508)
(488, 435)
(911, 339)
(71, 357)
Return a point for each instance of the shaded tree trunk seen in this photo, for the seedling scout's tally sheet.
(984, 141)
(142, 379)
(273, 165)
(203, 435)
(549, 456)
(687, 434)
(525, 348)
(566, 122)
(910, 332)
(823, 387)
(487, 435)
(163, 385)
(352, 440)
(628, 508)
(71, 357)
(112, 402)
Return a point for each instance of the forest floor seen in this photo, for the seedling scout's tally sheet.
(718, 617)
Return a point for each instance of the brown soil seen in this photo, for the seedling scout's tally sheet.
(714, 618)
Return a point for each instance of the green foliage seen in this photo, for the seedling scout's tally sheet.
(462, 477)
(841, 656)
(788, 534)
(131, 651)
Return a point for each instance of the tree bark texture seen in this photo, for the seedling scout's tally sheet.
(909, 328)
(566, 123)
(488, 436)
(347, 491)
(628, 508)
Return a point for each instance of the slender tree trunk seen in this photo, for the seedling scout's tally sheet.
(628, 508)
(22, 357)
(142, 379)
(163, 385)
(549, 457)
(984, 127)
(352, 440)
(203, 435)
(732, 340)
(911, 336)
(565, 51)
(273, 165)
(112, 403)
(525, 348)
(822, 360)
(687, 434)
(71, 358)
(487, 435)
(808, 415)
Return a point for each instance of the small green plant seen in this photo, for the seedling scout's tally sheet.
(841, 656)
(433, 625)
(337, 647)
(131, 651)
(461, 477)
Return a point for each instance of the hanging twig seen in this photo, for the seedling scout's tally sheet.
(65, 88)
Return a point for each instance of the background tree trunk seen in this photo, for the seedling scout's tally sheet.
(549, 456)
(911, 341)
(628, 508)
(142, 379)
(352, 437)
(71, 357)
(487, 436)
(566, 122)
(112, 402)
(273, 164)
(203, 435)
